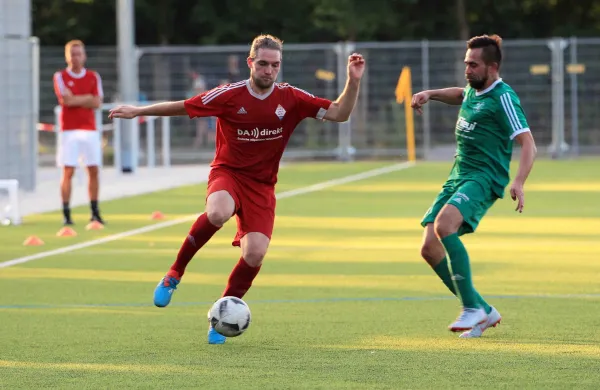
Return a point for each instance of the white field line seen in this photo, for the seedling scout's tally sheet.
(287, 194)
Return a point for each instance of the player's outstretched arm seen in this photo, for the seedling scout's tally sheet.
(340, 110)
(453, 96)
(159, 109)
(528, 153)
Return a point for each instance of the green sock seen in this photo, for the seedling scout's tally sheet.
(443, 271)
(461, 270)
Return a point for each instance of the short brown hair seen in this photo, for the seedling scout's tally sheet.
(491, 45)
(70, 44)
(265, 41)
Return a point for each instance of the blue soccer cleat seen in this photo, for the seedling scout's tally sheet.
(214, 337)
(164, 290)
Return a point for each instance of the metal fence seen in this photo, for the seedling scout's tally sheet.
(557, 81)
(582, 95)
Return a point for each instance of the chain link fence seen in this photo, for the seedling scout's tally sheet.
(378, 125)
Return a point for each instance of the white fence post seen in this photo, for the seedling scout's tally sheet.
(166, 141)
(150, 142)
(343, 50)
(574, 99)
(558, 145)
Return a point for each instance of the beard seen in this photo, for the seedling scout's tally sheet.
(478, 82)
(262, 83)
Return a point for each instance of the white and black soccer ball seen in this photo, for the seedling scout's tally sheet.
(230, 316)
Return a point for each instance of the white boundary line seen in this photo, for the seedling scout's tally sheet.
(160, 225)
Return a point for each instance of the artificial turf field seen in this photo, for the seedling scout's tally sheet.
(343, 299)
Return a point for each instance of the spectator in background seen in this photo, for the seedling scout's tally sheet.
(205, 127)
(233, 69)
(79, 93)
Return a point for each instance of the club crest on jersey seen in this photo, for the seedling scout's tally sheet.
(280, 112)
(478, 107)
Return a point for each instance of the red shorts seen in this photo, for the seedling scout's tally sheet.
(254, 202)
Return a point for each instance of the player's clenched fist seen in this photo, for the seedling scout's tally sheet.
(356, 66)
(125, 112)
(418, 100)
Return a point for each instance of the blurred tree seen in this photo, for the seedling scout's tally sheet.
(57, 21)
(235, 22)
(461, 20)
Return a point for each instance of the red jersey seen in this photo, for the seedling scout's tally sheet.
(253, 130)
(82, 83)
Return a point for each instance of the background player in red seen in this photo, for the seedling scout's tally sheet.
(256, 118)
(79, 92)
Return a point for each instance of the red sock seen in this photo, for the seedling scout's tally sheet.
(240, 279)
(202, 230)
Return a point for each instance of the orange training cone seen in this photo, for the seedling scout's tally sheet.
(94, 225)
(33, 241)
(66, 232)
(157, 215)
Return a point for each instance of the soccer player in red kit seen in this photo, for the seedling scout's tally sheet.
(255, 119)
(79, 93)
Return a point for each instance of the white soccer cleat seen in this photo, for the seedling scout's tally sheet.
(493, 320)
(467, 319)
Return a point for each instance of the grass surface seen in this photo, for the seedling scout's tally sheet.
(343, 299)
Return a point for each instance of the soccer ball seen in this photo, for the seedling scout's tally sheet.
(230, 316)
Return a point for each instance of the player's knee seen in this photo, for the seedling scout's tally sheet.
(218, 216)
(254, 255)
(443, 227)
(428, 251)
(219, 207)
(432, 252)
(93, 171)
(448, 221)
(68, 173)
(254, 248)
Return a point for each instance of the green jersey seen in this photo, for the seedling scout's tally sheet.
(487, 123)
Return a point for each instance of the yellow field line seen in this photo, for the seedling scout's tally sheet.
(97, 367)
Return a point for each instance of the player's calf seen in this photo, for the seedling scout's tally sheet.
(65, 187)
(220, 207)
(254, 247)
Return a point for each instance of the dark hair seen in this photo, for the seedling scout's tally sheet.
(265, 41)
(491, 48)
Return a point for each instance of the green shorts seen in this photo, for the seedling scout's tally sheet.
(472, 198)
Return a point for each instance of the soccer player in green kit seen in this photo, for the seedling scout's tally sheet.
(489, 120)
